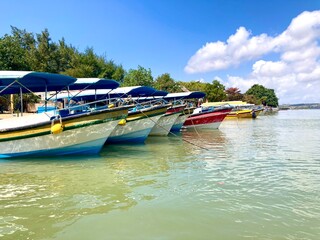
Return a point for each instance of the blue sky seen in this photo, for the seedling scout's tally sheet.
(240, 43)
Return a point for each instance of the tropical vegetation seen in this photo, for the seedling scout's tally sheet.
(22, 50)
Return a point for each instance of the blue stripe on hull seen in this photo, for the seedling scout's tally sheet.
(135, 137)
(176, 127)
(88, 148)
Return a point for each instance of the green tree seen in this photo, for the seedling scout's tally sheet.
(138, 77)
(119, 74)
(215, 92)
(165, 83)
(193, 86)
(37, 52)
(110, 70)
(266, 96)
(64, 56)
(15, 49)
(251, 99)
(43, 58)
(85, 65)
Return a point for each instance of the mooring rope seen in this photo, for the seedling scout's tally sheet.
(173, 133)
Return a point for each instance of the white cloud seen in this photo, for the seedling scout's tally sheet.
(219, 55)
(269, 69)
(296, 72)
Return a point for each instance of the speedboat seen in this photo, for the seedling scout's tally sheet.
(207, 117)
(244, 113)
(240, 109)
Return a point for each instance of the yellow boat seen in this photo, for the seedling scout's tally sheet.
(241, 109)
(244, 113)
(231, 103)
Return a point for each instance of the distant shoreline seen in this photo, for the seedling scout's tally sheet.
(300, 106)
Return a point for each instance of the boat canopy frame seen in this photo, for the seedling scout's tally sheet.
(19, 82)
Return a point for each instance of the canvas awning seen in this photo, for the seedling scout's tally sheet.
(184, 95)
(93, 83)
(122, 92)
(12, 82)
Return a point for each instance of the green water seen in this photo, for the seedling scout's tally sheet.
(255, 179)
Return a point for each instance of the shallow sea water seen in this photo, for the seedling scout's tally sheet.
(251, 179)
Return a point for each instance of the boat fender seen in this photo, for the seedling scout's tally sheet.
(254, 114)
(56, 127)
(111, 105)
(122, 122)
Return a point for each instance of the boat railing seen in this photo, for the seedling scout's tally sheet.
(80, 107)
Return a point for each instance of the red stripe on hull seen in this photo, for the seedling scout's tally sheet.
(175, 109)
(206, 117)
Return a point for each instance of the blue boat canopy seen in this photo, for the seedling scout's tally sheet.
(122, 92)
(94, 83)
(159, 93)
(184, 95)
(12, 81)
(136, 91)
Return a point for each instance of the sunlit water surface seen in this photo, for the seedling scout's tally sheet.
(251, 179)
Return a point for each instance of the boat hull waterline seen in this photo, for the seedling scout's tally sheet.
(135, 131)
(138, 125)
(81, 135)
(165, 123)
(179, 123)
(84, 140)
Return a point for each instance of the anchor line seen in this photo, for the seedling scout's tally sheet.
(173, 133)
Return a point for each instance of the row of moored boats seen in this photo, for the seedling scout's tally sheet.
(95, 112)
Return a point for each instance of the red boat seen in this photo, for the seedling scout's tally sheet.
(207, 117)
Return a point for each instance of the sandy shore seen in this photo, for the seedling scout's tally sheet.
(9, 115)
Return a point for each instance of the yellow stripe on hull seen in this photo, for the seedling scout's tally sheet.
(243, 114)
(147, 114)
(67, 123)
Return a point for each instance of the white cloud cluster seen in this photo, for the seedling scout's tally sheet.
(295, 75)
(219, 55)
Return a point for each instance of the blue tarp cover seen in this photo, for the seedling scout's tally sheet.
(184, 95)
(94, 83)
(34, 81)
(123, 92)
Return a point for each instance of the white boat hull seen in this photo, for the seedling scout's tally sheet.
(83, 140)
(135, 131)
(164, 125)
(179, 123)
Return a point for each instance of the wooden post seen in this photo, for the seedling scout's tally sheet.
(11, 103)
(21, 100)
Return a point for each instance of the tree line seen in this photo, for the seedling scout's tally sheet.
(26, 51)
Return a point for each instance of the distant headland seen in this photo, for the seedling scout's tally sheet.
(300, 106)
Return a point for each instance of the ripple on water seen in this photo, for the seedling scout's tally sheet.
(255, 179)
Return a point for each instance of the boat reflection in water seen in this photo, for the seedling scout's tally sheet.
(205, 140)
